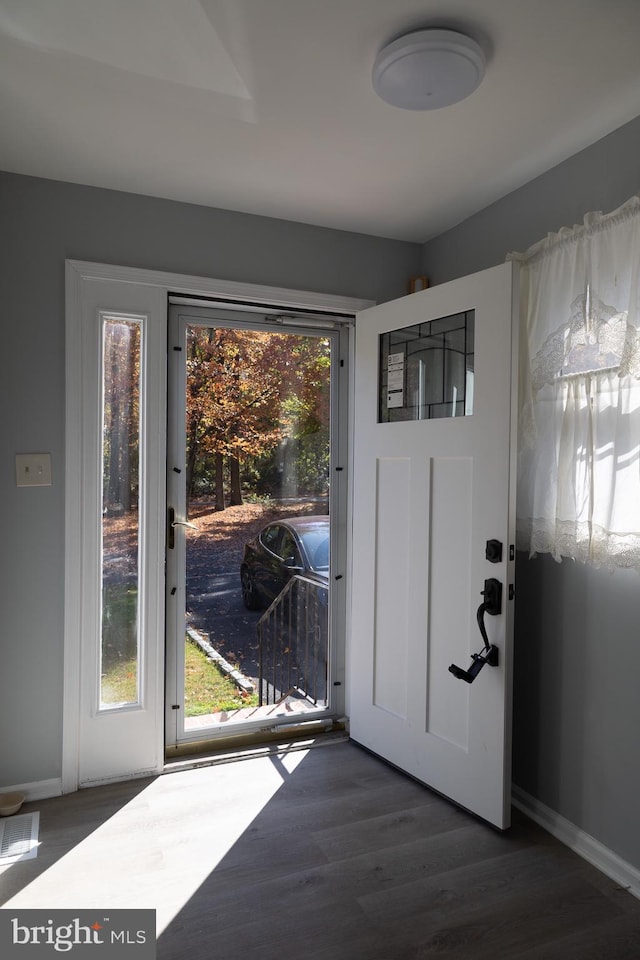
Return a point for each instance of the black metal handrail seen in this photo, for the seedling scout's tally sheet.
(293, 644)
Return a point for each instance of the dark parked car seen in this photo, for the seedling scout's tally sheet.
(299, 545)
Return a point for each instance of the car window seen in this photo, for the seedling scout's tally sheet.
(288, 550)
(271, 538)
(316, 543)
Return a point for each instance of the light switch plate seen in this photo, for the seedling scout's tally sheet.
(33, 469)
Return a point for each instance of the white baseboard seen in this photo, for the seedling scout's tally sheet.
(582, 843)
(38, 790)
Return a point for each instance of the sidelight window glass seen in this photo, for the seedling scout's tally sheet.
(120, 523)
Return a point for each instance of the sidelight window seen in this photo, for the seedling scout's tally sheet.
(120, 516)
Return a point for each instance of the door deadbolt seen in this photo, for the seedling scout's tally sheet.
(493, 551)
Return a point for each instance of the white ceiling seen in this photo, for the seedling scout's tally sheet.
(266, 106)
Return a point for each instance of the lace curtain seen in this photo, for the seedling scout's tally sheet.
(579, 437)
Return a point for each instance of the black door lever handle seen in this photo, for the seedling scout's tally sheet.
(492, 604)
(489, 656)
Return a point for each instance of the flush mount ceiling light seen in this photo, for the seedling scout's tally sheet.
(428, 69)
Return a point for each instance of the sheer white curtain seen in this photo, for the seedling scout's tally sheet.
(579, 440)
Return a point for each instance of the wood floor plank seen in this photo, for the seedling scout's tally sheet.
(618, 939)
(537, 916)
(326, 854)
(390, 829)
(265, 855)
(333, 882)
(329, 811)
(454, 892)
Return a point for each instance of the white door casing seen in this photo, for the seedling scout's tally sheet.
(428, 495)
(109, 745)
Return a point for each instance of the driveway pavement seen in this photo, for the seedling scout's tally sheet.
(214, 598)
(215, 607)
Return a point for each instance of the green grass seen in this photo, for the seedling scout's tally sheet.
(119, 682)
(119, 634)
(207, 689)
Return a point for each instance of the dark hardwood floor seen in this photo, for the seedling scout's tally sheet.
(320, 854)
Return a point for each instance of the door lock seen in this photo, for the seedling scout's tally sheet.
(493, 551)
(492, 604)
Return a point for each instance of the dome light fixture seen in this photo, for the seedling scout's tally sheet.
(428, 69)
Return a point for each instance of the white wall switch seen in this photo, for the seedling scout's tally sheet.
(33, 469)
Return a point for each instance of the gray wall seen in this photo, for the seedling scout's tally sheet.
(43, 223)
(577, 667)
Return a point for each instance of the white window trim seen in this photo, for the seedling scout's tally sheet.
(81, 276)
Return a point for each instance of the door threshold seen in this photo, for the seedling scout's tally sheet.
(300, 736)
(289, 710)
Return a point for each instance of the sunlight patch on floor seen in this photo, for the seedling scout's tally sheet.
(159, 848)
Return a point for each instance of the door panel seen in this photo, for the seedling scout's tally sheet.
(428, 495)
(391, 595)
(448, 703)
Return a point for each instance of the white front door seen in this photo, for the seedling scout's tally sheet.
(433, 499)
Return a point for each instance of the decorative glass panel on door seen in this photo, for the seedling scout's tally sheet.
(426, 370)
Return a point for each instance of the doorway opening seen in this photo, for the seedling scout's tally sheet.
(254, 493)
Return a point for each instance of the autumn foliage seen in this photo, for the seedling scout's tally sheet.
(257, 413)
